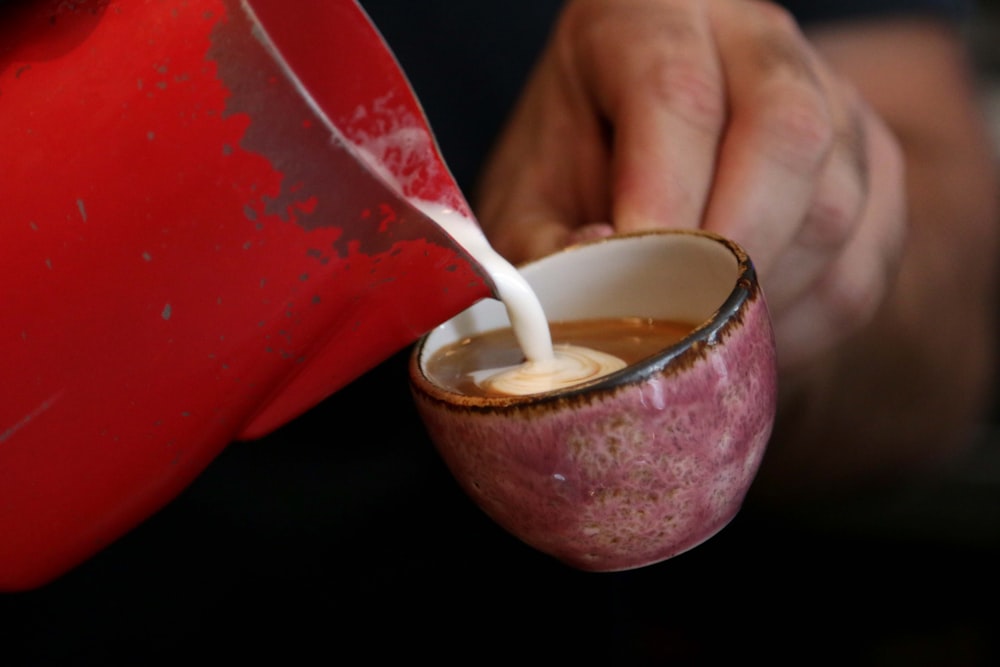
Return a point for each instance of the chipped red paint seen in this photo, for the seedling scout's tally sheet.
(189, 257)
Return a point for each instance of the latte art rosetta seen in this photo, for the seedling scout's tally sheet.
(570, 365)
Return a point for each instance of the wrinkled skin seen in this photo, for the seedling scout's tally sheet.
(852, 163)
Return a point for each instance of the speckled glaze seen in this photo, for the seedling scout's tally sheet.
(636, 467)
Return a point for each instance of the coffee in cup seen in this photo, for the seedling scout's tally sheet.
(483, 365)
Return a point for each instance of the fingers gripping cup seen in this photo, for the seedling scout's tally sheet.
(650, 456)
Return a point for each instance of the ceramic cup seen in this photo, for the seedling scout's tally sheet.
(644, 463)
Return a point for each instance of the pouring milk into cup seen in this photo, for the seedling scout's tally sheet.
(217, 216)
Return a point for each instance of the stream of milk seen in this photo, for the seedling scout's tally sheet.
(546, 367)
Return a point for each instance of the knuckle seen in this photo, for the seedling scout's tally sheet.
(687, 88)
(777, 18)
(830, 222)
(795, 127)
(850, 301)
(837, 207)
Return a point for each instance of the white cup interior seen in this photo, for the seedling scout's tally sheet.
(677, 276)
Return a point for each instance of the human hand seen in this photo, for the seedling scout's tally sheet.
(715, 114)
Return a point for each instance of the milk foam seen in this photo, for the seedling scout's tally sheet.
(570, 365)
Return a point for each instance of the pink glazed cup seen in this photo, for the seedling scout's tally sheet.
(640, 465)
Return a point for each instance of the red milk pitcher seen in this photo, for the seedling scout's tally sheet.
(194, 246)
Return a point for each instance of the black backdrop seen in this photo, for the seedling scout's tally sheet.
(342, 535)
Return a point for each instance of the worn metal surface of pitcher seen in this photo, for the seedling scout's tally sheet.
(192, 251)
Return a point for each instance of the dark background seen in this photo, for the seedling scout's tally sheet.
(307, 545)
(342, 535)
